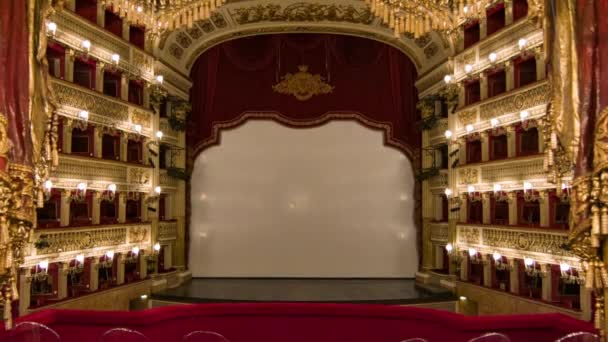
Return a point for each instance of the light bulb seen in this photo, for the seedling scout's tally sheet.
(135, 250)
(84, 115)
(112, 187)
(528, 261)
(86, 44)
(564, 267)
(465, 9)
(115, 58)
(472, 252)
(82, 186)
(44, 264)
(157, 246)
(522, 43)
(496, 256)
(448, 192)
(160, 79)
(48, 185)
(494, 122)
(497, 187)
(469, 128)
(157, 189)
(564, 186)
(527, 186)
(524, 114)
(470, 188)
(139, 9)
(159, 134)
(492, 57)
(137, 128)
(449, 247)
(110, 254)
(468, 68)
(51, 27)
(80, 258)
(448, 134)
(447, 79)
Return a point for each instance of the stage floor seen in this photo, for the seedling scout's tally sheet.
(379, 291)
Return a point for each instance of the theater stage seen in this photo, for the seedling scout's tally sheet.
(377, 291)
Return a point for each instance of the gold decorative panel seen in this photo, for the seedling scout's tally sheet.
(439, 232)
(526, 98)
(75, 240)
(467, 176)
(514, 171)
(141, 117)
(81, 99)
(167, 230)
(301, 12)
(467, 117)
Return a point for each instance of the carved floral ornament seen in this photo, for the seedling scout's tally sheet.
(302, 85)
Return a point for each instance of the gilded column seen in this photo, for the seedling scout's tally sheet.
(124, 139)
(122, 207)
(545, 212)
(64, 214)
(547, 280)
(99, 66)
(485, 146)
(462, 155)
(125, 30)
(464, 267)
(25, 284)
(69, 65)
(67, 136)
(514, 276)
(97, 140)
(146, 96)
(94, 281)
(483, 86)
(124, 87)
(510, 75)
(511, 141)
(62, 282)
(586, 303)
(512, 207)
(508, 12)
(101, 13)
(483, 28)
(485, 198)
(146, 215)
(541, 72)
(168, 255)
(120, 273)
(71, 5)
(96, 210)
(178, 210)
(143, 265)
(487, 270)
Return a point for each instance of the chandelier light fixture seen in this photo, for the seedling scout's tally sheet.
(161, 15)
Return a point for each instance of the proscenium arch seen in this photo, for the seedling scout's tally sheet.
(425, 53)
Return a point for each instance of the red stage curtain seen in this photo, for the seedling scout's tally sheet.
(374, 84)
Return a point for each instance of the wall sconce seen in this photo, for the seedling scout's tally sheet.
(83, 121)
(115, 59)
(110, 194)
(48, 188)
(454, 257)
(564, 195)
(133, 256)
(157, 190)
(159, 135)
(469, 128)
(523, 115)
(448, 192)
(41, 271)
(86, 45)
(494, 122)
(522, 43)
(51, 28)
(156, 248)
(498, 262)
(78, 265)
(468, 68)
(492, 57)
(107, 262)
(568, 275)
(159, 79)
(137, 128)
(474, 256)
(531, 270)
(80, 193)
(447, 79)
(529, 194)
(472, 195)
(448, 134)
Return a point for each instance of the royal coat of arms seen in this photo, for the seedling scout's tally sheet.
(302, 85)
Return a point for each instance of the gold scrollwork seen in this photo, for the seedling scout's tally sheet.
(302, 85)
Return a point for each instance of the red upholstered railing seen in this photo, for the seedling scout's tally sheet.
(280, 322)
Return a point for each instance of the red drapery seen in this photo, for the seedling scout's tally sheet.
(14, 76)
(373, 84)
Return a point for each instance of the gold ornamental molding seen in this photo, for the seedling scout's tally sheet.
(74, 97)
(467, 117)
(302, 85)
(302, 12)
(525, 98)
(467, 176)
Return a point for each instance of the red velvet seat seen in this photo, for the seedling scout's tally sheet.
(280, 322)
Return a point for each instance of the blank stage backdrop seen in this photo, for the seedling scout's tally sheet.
(330, 201)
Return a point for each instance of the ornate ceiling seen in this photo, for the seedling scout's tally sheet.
(240, 18)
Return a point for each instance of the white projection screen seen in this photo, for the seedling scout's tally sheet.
(330, 201)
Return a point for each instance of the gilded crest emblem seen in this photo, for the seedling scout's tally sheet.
(302, 85)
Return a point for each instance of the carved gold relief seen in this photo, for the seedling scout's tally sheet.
(67, 241)
(76, 98)
(302, 85)
(301, 12)
(467, 176)
(467, 117)
(516, 102)
(137, 234)
(141, 117)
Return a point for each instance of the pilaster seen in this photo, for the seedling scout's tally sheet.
(540, 66)
(67, 136)
(146, 96)
(62, 282)
(94, 281)
(462, 155)
(124, 139)
(514, 276)
(96, 210)
(97, 140)
(25, 284)
(483, 86)
(64, 215)
(547, 282)
(124, 87)
(508, 12)
(512, 207)
(586, 303)
(120, 272)
(125, 30)
(511, 141)
(69, 65)
(143, 265)
(485, 198)
(168, 255)
(485, 146)
(99, 66)
(483, 27)
(463, 208)
(510, 75)
(487, 270)
(101, 14)
(122, 207)
(464, 267)
(544, 208)
(70, 5)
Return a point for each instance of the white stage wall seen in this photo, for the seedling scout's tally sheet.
(331, 201)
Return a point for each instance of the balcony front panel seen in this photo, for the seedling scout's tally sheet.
(437, 133)
(167, 230)
(439, 232)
